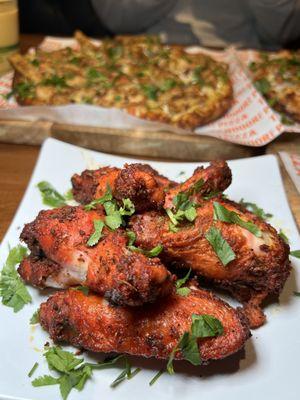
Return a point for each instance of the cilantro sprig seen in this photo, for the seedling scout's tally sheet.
(154, 252)
(221, 213)
(73, 372)
(51, 197)
(202, 326)
(114, 214)
(13, 292)
(184, 207)
(180, 289)
(295, 253)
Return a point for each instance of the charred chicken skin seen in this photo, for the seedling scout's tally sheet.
(138, 182)
(60, 257)
(261, 265)
(91, 323)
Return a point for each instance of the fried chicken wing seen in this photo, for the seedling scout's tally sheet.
(204, 181)
(145, 187)
(261, 265)
(91, 323)
(138, 182)
(60, 257)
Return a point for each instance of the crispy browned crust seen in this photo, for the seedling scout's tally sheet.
(89, 322)
(183, 111)
(250, 277)
(121, 275)
(138, 182)
(35, 270)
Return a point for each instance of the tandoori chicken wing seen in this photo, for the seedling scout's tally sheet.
(91, 323)
(258, 264)
(61, 257)
(145, 187)
(138, 182)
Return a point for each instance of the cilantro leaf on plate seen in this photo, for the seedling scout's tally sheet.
(295, 253)
(12, 290)
(50, 196)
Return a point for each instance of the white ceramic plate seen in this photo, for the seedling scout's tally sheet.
(269, 369)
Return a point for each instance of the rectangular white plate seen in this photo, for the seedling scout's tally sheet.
(270, 366)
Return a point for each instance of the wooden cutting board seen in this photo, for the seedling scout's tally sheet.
(131, 142)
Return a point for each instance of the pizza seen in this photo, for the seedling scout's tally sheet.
(277, 77)
(137, 74)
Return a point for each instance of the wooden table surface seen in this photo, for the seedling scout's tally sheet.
(17, 162)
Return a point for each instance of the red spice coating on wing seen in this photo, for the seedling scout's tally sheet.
(108, 268)
(91, 323)
(261, 266)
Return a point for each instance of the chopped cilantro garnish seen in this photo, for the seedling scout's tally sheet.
(24, 90)
(263, 85)
(35, 62)
(283, 236)
(255, 209)
(55, 80)
(50, 196)
(167, 85)
(35, 318)
(73, 372)
(197, 75)
(12, 290)
(221, 213)
(183, 291)
(115, 52)
(220, 245)
(75, 60)
(106, 197)
(33, 369)
(127, 373)
(156, 377)
(295, 253)
(202, 326)
(93, 74)
(150, 91)
(97, 234)
(149, 253)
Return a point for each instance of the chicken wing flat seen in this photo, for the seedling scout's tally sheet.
(260, 266)
(60, 257)
(91, 323)
(138, 182)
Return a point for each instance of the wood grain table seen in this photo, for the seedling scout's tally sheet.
(17, 162)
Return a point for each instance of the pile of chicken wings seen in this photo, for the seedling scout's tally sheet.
(130, 259)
